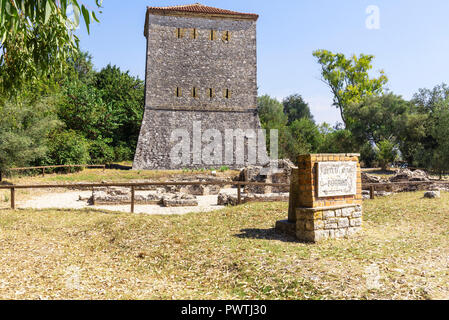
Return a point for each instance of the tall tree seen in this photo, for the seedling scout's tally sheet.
(37, 37)
(24, 128)
(348, 79)
(296, 108)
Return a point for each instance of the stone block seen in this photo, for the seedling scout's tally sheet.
(343, 223)
(356, 222)
(328, 214)
(347, 212)
(357, 214)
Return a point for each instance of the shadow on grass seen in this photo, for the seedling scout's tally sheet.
(267, 234)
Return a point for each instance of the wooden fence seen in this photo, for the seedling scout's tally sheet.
(239, 184)
(101, 166)
(133, 186)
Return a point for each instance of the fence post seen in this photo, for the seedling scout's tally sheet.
(371, 192)
(239, 196)
(13, 198)
(43, 172)
(132, 198)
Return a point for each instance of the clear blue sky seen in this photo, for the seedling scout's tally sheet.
(412, 44)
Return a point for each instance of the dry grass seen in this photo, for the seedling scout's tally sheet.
(96, 175)
(233, 253)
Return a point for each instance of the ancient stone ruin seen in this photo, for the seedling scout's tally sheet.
(160, 196)
(201, 83)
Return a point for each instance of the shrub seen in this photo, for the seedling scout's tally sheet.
(67, 147)
(123, 153)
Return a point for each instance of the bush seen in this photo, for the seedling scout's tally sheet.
(67, 147)
(100, 152)
(386, 154)
(123, 153)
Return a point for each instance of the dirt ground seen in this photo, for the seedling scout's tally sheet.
(71, 200)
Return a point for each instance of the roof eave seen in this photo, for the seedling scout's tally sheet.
(165, 12)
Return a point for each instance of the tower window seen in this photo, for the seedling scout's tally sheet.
(227, 93)
(178, 92)
(210, 93)
(194, 34)
(195, 92)
(226, 36)
(213, 35)
(180, 33)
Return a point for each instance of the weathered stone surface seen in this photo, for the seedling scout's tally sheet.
(343, 223)
(432, 194)
(179, 200)
(181, 64)
(227, 199)
(265, 174)
(408, 175)
(356, 222)
(369, 178)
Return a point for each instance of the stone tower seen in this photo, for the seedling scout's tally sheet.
(201, 76)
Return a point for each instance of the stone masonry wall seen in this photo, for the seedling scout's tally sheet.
(154, 146)
(201, 63)
(328, 223)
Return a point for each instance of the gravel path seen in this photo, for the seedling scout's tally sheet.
(70, 200)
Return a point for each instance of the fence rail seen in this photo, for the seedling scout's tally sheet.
(238, 184)
(133, 186)
(101, 166)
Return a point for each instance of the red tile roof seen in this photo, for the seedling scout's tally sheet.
(198, 8)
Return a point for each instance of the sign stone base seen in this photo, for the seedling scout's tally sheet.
(312, 217)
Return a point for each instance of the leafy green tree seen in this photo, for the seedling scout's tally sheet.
(296, 108)
(272, 116)
(308, 138)
(37, 37)
(378, 118)
(24, 128)
(83, 110)
(336, 140)
(67, 147)
(271, 112)
(349, 79)
(125, 96)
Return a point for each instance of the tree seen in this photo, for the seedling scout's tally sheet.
(272, 116)
(296, 108)
(348, 79)
(24, 128)
(307, 136)
(378, 118)
(336, 140)
(125, 95)
(37, 37)
(386, 154)
(67, 147)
